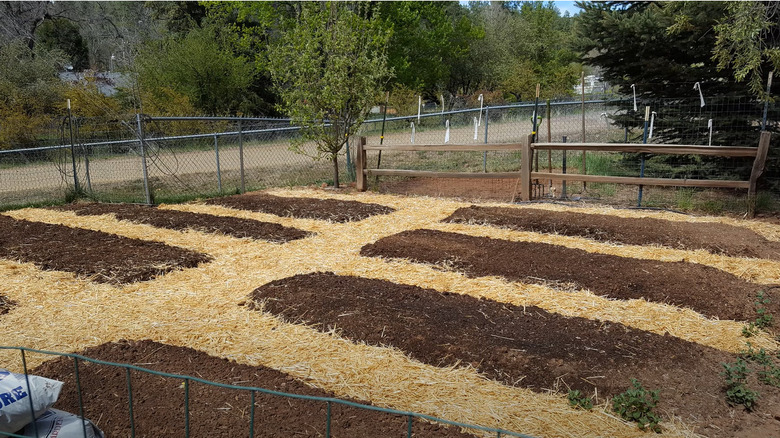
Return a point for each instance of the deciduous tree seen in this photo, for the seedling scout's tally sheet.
(328, 67)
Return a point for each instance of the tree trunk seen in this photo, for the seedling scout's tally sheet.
(335, 171)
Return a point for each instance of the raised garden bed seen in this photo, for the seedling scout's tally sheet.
(528, 347)
(158, 402)
(307, 208)
(101, 257)
(182, 220)
(707, 290)
(717, 238)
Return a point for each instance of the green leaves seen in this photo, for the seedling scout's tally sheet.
(636, 404)
(328, 68)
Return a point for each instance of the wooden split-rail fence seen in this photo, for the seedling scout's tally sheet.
(527, 175)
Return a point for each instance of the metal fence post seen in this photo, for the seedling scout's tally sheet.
(241, 155)
(73, 153)
(563, 170)
(147, 190)
(219, 172)
(86, 151)
(484, 154)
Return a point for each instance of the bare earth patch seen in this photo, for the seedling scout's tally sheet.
(158, 403)
(5, 305)
(182, 220)
(334, 210)
(527, 346)
(714, 237)
(707, 290)
(102, 257)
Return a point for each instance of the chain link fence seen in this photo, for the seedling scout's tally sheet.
(169, 159)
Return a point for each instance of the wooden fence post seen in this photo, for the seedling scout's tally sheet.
(360, 164)
(758, 169)
(525, 169)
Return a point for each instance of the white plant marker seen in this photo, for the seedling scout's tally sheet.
(697, 86)
(633, 88)
(481, 101)
(652, 121)
(447, 133)
(68, 103)
(412, 140)
(709, 125)
(475, 128)
(419, 107)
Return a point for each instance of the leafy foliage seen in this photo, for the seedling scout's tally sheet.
(196, 66)
(29, 90)
(328, 68)
(64, 35)
(636, 404)
(737, 392)
(748, 39)
(578, 399)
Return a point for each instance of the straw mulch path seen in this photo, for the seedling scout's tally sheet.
(707, 290)
(214, 412)
(528, 347)
(716, 238)
(182, 220)
(102, 257)
(199, 308)
(314, 208)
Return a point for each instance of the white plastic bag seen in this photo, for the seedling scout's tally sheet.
(55, 423)
(15, 399)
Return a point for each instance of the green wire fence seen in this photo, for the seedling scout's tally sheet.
(329, 401)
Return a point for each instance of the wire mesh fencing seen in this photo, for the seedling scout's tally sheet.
(141, 383)
(169, 159)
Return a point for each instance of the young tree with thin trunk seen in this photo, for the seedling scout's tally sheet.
(328, 67)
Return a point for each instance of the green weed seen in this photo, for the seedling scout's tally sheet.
(737, 392)
(636, 404)
(580, 400)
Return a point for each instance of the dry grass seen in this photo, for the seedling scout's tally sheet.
(199, 308)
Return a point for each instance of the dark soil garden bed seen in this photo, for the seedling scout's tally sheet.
(158, 402)
(182, 220)
(707, 290)
(308, 208)
(528, 347)
(102, 257)
(714, 237)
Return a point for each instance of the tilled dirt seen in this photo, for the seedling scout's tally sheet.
(102, 257)
(307, 208)
(714, 237)
(5, 305)
(707, 290)
(528, 347)
(158, 402)
(182, 220)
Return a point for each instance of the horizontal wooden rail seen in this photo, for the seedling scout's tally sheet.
(433, 174)
(722, 151)
(448, 147)
(666, 182)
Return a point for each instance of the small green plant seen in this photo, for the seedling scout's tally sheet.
(737, 392)
(636, 404)
(764, 318)
(769, 374)
(579, 400)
